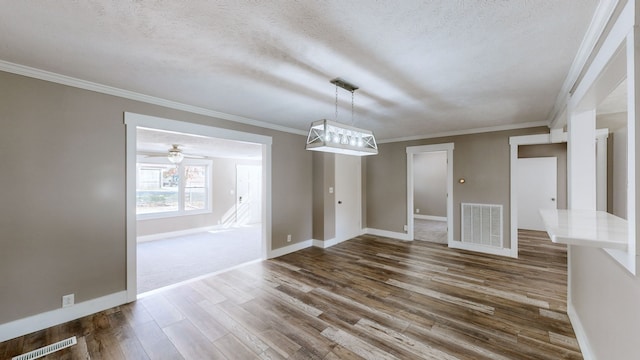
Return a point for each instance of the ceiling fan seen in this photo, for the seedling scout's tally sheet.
(175, 155)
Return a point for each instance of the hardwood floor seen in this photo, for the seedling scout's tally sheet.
(370, 297)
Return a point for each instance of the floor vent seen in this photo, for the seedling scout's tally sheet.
(44, 351)
(482, 224)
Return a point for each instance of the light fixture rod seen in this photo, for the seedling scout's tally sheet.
(344, 84)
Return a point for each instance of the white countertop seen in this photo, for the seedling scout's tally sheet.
(587, 228)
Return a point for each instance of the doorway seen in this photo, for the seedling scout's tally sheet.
(348, 197)
(189, 222)
(430, 196)
(221, 194)
(430, 208)
(535, 146)
(536, 189)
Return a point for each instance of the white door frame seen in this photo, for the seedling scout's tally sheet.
(556, 136)
(411, 151)
(514, 142)
(132, 121)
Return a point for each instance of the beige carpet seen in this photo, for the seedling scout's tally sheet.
(430, 230)
(172, 260)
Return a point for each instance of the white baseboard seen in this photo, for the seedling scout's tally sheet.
(323, 244)
(51, 318)
(386, 233)
(430, 217)
(184, 232)
(289, 249)
(581, 335)
(480, 248)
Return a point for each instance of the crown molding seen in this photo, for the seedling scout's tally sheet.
(132, 95)
(601, 17)
(467, 131)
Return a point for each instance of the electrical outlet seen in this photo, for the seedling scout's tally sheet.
(406, 228)
(417, 211)
(289, 238)
(68, 300)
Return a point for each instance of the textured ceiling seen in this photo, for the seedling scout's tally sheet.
(151, 141)
(423, 67)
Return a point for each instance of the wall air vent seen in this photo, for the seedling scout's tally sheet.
(482, 224)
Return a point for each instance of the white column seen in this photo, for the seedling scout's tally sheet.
(581, 159)
(557, 135)
(633, 133)
(601, 171)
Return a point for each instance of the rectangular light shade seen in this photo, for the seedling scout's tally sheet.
(330, 136)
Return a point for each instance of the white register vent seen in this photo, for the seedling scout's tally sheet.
(49, 349)
(482, 224)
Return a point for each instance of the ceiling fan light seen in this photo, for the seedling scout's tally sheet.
(175, 157)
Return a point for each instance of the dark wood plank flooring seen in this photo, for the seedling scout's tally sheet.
(370, 297)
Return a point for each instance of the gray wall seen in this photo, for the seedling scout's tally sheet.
(559, 151)
(324, 209)
(607, 299)
(63, 191)
(482, 159)
(430, 183)
(291, 190)
(223, 181)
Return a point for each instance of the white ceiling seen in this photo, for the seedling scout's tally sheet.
(150, 141)
(423, 67)
(612, 111)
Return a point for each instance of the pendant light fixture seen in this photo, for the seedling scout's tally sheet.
(331, 136)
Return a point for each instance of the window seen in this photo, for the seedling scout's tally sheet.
(157, 189)
(168, 190)
(195, 187)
